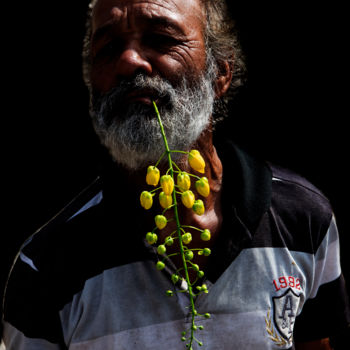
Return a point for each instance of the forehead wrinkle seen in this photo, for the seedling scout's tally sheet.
(151, 18)
(175, 4)
(171, 6)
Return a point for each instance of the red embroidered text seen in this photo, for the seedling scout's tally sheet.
(286, 282)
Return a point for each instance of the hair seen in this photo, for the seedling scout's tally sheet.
(221, 40)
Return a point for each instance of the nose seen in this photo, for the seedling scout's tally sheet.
(130, 61)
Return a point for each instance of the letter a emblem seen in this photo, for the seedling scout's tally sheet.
(285, 312)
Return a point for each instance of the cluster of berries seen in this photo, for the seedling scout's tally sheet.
(168, 193)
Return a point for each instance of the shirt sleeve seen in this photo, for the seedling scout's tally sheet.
(13, 339)
(326, 311)
(31, 319)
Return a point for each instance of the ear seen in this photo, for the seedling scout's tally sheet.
(224, 78)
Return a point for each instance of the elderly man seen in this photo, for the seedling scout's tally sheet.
(88, 279)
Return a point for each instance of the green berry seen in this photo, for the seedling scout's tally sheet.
(206, 251)
(186, 238)
(205, 235)
(174, 278)
(200, 328)
(161, 249)
(151, 238)
(200, 274)
(169, 241)
(200, 343)
(189, 255)
(207, 315)
(169, 293)
(183, 339)
(160, 265)
(195, 267)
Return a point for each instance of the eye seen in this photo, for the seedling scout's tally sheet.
(159, 41)
(108, 50)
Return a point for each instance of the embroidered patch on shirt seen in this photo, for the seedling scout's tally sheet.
(285, 309)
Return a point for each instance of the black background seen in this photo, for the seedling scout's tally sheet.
(292, 110)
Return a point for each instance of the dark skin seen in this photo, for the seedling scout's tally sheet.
(126, 46)
(165, 38)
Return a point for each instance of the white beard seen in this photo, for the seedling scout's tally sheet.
(133, 137)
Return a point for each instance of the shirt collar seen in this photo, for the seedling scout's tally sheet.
(247, 183)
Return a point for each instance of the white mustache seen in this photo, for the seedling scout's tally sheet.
(112, 103)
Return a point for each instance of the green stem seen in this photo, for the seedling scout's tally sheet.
(178, 225)
(156, 189)
(197, 177)
(171, 234)
(173, 254)
(161, 157)
(171, 206)
(176, 151)
(192, 227)
(177, 167)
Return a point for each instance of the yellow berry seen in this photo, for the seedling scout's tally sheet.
(183, 181)
(152, 177)
(165, 200)
(146, 199)
(167, 183)
(198, 207)
(160, 221)
(196, 161)
(187, 199)
(202, 187)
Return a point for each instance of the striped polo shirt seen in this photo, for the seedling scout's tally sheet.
(87, 279)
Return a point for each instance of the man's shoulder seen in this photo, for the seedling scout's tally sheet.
(286, 175)
(73, 214)
(300, 209)
(53, 265)
(294, 188)
(58, 245)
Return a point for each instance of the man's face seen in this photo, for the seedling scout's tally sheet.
(158, 37)
(143, 51)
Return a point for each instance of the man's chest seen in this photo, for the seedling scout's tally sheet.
(253, 305)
